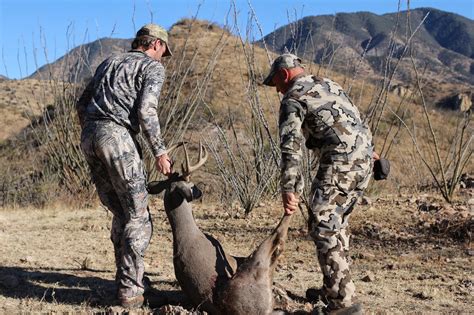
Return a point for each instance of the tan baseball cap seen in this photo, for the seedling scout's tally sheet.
(158, 32)
(283, 61)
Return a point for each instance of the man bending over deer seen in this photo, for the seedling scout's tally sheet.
(317, 112)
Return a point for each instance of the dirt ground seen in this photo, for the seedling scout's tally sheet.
(61, 260)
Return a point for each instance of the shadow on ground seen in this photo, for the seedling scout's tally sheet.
(73, 287)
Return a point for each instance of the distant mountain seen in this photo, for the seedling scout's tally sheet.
(2, 77)
(80, 63)
(444, 43)
(443, 47)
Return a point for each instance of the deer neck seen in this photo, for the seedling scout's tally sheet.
(180, 216)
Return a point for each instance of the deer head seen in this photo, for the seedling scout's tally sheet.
(180, 183)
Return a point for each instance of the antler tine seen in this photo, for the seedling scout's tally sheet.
(200, 150)
(174, 146)
(202, 159)
(186, 165)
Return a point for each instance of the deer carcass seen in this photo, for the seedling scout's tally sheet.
(215, 281)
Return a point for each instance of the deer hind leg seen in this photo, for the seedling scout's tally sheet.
(271, 248)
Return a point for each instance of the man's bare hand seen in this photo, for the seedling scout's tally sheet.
(375, 156)
(164, 164)
(290, 202)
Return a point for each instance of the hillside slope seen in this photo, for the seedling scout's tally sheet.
(80, 63)
(231, 70)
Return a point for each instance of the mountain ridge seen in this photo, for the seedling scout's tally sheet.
(337, 41)
(80, 62)
(448, 37)
(444, 41)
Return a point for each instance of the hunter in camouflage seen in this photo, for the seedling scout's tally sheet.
(120, 100)
(316, 112)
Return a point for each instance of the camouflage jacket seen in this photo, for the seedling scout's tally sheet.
(125, 89)
(318, 111)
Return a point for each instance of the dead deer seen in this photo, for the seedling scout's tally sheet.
(216, 282)
(249, 291)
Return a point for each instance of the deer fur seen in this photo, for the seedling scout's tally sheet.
(200, 263)
(216, 282)
(249, 291)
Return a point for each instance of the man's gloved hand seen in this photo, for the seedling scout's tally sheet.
(290, 202)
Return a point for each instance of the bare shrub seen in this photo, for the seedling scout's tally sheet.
(56, 133)
(245, 142)
(184, 93)
(445, 164)
(247, 156)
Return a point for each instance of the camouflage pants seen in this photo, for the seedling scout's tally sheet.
(117, 169)
(335, 190)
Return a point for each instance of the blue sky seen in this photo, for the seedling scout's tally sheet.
(33, 32)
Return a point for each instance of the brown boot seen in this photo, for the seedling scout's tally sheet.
(132, 302)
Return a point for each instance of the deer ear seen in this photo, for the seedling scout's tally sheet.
(155, 187)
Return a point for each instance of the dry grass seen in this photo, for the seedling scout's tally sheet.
(227, 91)
(19, 100)
(63, 258)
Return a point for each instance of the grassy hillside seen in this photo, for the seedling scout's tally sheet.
(214, 78)
(411, 251)
(20, 101)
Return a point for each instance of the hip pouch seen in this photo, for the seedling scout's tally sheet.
(381, 169)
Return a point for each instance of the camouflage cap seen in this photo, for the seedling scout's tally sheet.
(158, 32)
(287, 61)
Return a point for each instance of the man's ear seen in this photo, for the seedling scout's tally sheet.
(156, 45)
(285, 73)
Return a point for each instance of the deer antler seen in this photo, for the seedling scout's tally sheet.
(174, 146)
(187, 168)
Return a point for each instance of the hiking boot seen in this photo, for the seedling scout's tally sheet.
(147, 284)
(354, 309)
(132, 302)
(315, 295)
(319, 310)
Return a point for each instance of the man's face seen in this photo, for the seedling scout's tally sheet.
(280, 81)
(160, 48)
